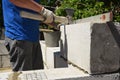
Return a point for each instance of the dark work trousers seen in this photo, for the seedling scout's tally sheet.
(24, 55)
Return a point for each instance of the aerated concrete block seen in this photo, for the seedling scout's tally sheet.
(3, 50)
(50, 51)
(59, 61)
(4, 56)
(52, 57)
(91, 46)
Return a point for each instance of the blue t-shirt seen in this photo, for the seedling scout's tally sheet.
(16, 27)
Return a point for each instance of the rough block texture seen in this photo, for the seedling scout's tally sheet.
(4, 57)
(64, 74)
(91, 46)
(59, 61)
(4, 61)
(60, 74)
(97, 77)
(3, 50)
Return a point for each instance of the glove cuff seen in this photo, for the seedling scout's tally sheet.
(47, 15)
(42, 12)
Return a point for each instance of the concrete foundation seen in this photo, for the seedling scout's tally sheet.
(65, 74)
(70, 73)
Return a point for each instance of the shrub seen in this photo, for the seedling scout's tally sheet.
(87, 8)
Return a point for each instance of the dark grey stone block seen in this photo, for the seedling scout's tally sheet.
(104, 49)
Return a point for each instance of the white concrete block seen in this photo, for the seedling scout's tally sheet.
(50, 51)
(52, 57)
(43, 48)
(91, 47)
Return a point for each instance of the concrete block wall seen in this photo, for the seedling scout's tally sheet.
(91, 46)
(4, 61)
(4, 56)
(3, 50)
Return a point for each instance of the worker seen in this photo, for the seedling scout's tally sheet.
(22, 34)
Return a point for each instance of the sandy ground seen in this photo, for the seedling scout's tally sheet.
(5, 70)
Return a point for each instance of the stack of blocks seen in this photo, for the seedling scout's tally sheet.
(92, 46)
(89, 46)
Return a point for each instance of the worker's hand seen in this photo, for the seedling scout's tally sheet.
(48, 15)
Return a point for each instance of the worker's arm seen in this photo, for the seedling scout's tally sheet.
(29, 4)
(32, 5)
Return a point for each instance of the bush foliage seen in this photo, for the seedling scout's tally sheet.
(87, 8)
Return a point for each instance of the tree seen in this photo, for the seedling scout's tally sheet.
(115, 7)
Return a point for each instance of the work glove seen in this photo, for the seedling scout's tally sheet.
(48, 15)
